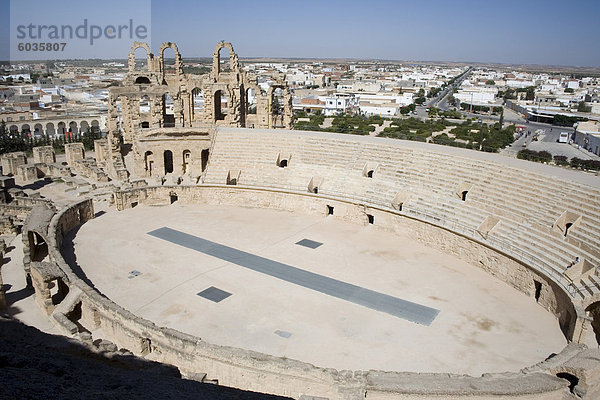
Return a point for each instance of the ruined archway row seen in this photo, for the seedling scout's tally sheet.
(157, 105)
(157, 97)
(55, 128)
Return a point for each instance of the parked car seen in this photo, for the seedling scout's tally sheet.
(563, 138)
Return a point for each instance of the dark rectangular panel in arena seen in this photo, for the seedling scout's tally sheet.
(410, 311)
(309, 243)
(214, 294)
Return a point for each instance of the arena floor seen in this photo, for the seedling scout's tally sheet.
(221, 280)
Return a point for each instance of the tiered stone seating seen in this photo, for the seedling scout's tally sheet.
(526, 197)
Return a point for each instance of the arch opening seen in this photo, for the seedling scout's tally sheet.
(221, 101)
(204, 155)
(198, 100)
(573, 380)
(168, 111)
(142, 80)
(140, 56)
(169, 57)
(186, 155)
(224, 60)
(168, 161)
(568, 225)
(144, 104)
(149, 162)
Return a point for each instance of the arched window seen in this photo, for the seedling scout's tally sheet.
(169, 61)
(168, 111)
(142, 80)
(250, 101)
(198, 100)
(73, 128)
(224, 63)
(50, 131)
(149, 162)
(168, 161)
(187, 156)
(62, 128)
(26, 129)
(221, 101)
(95, 126)
(85, 127)
(141, 60)
(144, 104)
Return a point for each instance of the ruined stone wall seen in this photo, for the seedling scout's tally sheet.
(186, 154)
(44, 154)
(74, 152)
(225, 103)
(11, 161)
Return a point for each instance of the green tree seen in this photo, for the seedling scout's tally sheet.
(569, 90)
(490, 82)
(583, 107)
(530, 93)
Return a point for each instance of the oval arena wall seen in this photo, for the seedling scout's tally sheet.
(510, 222)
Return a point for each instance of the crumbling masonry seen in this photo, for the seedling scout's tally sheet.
(168, 118)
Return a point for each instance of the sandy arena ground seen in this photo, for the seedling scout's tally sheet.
(483, 325)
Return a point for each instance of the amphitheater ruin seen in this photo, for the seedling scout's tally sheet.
(308, 264)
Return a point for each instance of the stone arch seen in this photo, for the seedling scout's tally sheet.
(38, 129)
(198, 100)
(149, 56)
(95, 126)
(61, 128)
(73, 128)
(221, 104)
(140, 80)
(13, 130)
(50, 129)
(168, 161)
(187, 159)
(250, 100)
(26, 129)
(149, 162)
(275, 105)
(168, 111)
(233, 59)
(177, 57)
(84, 127)
(38, 247)
(145, 104)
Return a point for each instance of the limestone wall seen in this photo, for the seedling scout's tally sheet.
(251, 370)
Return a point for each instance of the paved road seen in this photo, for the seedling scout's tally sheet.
(377, 301)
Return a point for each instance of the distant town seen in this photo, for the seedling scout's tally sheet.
(493, 109)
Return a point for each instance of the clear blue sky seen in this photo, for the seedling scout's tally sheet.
(525, 31)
